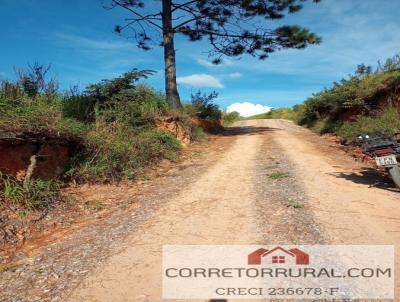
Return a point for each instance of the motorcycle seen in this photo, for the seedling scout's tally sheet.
(386, 152)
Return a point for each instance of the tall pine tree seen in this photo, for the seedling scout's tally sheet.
(232, 28)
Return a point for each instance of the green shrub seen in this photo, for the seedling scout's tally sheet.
(160, 145)
(198, 134)
(33, 195)
(40, 115)
(386, 123)
(79, 106)
(117, 100)
(325, 125)
(278, 175)
(121, 153)
(202, 105)
(138, 108)
(230, 118)
(358, 92)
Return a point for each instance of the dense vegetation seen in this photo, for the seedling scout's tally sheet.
(203, 106)
(366, 102)
(113, 121)
(230, 117)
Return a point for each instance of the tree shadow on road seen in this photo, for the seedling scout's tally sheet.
(370, 177)
(245, 130)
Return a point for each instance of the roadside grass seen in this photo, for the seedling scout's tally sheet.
(278, 175)
(121, 154)
(358, 93)
(202, 105)
(279, 113)
(42, 115)
(198, 134)
(230, 118)
(386, 122)
(36, 194)
(95, 206)
(325, 125)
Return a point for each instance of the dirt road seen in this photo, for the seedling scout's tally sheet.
(227, 203)
(268, 182)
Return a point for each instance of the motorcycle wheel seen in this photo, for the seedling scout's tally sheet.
(395, 174)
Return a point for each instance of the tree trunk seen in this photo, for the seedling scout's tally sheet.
(171, 87)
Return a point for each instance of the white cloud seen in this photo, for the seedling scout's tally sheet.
(248, 109)
(225, 62)
(90, 43)
(235, 75)
(200, 80)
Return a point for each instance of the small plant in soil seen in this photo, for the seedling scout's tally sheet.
(294, 204)
(278, 175)
(34, 194)
(95, 206)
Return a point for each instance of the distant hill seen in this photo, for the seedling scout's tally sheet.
(284, 113)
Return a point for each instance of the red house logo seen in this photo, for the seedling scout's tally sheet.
(279, 255)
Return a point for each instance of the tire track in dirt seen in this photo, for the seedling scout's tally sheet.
(285, 214)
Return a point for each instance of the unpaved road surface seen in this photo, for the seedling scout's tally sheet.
(326, 199)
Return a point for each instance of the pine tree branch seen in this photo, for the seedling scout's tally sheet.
(146, 18)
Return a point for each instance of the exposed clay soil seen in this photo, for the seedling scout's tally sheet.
(225, 195)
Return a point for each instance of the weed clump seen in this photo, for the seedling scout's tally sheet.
(36, 194)
(230, 118)
(386, 122)
(295, 205)
(278, 175)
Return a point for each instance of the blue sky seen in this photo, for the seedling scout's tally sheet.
(76, 37)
